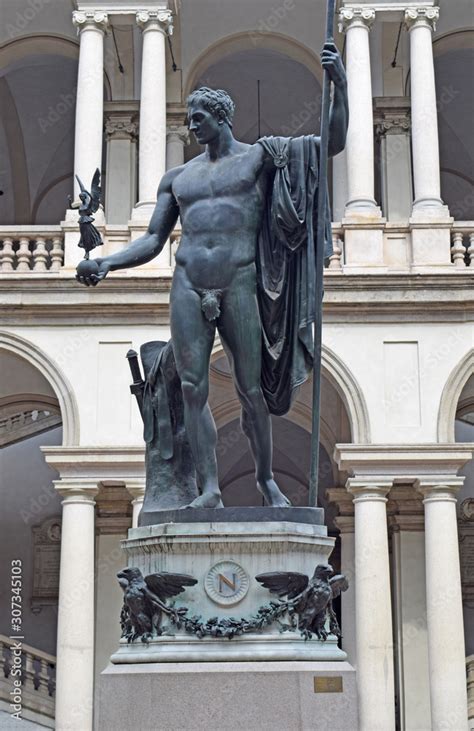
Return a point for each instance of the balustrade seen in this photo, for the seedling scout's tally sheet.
(38, 678)
(38, 250)
(462, 244)
(34, 249)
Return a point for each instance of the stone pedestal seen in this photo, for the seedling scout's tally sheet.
(231, 696)
(224, 553)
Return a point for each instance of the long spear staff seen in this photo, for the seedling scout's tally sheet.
(320, 241)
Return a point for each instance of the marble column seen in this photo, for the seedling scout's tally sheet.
(91, 27)
(136, 488)
(75, 643)
(444, 603)
(409, 611)
(374, 641)
(89, 123)
(155, 25)
(345, 525)
(356, 23)
(177, 137)
(121, 129)
(392, 124)
(339, 186)
(425, 143)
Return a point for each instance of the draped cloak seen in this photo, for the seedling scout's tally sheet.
(288, 300)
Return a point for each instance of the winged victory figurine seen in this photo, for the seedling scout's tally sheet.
(311, 599)
(90, 237)
(144, 600)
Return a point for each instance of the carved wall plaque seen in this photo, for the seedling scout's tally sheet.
(466, 549)
(46, 557)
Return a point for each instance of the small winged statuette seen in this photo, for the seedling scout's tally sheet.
(144, 601)
(309, 599)
(90, 237)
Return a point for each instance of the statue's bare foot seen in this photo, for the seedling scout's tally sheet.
(207, 500)
(272, 494)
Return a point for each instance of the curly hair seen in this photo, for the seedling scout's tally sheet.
(214, 100)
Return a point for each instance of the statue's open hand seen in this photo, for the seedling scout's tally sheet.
(331, 61)
(91, 271)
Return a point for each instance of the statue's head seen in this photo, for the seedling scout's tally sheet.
(209, 110)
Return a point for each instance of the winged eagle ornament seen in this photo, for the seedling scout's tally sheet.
(310, 599)
(90, 201)
(144, 600)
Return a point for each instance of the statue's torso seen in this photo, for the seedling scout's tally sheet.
(221, 206)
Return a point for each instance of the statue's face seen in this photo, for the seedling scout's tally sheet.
(203, 124)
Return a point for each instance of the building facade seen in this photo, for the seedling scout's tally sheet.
(103, 84)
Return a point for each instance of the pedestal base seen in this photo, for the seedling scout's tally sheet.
(224, 555)
(255, 696)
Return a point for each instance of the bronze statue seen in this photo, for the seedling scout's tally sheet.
(90, 202)
(309, 599)
(144, 600)
(245, 265)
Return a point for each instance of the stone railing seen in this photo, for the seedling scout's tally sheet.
(337, 259)
(470, 689)
(462, 244)
(38, 681)
(40, 249)
(36, 249)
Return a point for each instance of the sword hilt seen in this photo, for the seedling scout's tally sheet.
(138, 383)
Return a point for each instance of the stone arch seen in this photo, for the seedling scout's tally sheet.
(42, 43)
(339, 375)
(336, 371)
(450, 397)
(60, 385)
(253, 40)
(50, 44)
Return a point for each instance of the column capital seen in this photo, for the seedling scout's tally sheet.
(404, 522)
(356, 17)
(121, 126)
(177, 133)
(95, 19)
(369, 489)
(421, 17)
(439, 489)
(161, 20)
(77, 491)
(344, 523)
(136, 488)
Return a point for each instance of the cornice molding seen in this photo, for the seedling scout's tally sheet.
(404, 463)
(142, 298)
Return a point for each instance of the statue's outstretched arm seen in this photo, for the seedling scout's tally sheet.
(339, 115)
(151, 243)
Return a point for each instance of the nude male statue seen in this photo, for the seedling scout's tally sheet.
(219, 197)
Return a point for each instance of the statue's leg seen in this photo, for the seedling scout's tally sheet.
(240, 330)
(193, 338)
